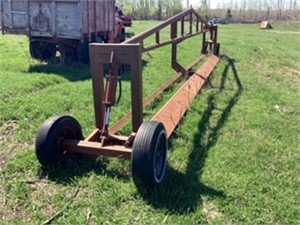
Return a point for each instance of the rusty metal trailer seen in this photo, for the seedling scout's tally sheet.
(147, 145)
(69, 24)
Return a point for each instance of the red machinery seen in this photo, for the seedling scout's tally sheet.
(147, 145)
(127, 21)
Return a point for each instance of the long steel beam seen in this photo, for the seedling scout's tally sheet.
(139, 38)
(122, 122)
(130, 53)
(96, 148)
(173, 41)
(172, 113)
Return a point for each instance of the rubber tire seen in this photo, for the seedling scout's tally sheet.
(49, 52)
(205, 49)
(149, 151)
(42, 50)
(82, 51)
(217, 52)
(122, 35)
(68, 59)
(51, 134)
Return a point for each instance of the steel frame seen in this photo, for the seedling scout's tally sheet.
(103, 141)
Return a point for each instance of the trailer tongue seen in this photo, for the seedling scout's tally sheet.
(147, 145)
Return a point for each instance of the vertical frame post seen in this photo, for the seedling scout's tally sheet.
(98, 87)
(182, 26)
(175, 65)
(174, 46)
(204, 43)
(191, 23)
(136, 87)
(157, 37)
(211, 30)
(215, 39)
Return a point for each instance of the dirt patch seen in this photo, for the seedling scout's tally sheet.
(293, 73)
(8, 128)
(7, 146)
(211, 213)
(43, 187)
(285, 32)
(282, 109)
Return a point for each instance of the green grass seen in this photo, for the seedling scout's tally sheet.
(233, 159)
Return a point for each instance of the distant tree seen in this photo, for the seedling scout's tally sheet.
(268, 13)
(228, 15)
(204, 10)
(159, 9)
(176, 7)
(154, 12)
(295, 5)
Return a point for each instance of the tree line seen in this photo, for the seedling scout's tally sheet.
(151, 9)
(233, 11)
(257, 10)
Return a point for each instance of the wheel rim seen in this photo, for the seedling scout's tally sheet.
(160, 157)
(49, 141)
(66, 133)
(49, 52)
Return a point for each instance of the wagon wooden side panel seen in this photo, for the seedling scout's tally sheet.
(98, 16)
(71, 19)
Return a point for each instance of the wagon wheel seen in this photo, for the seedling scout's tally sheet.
(82, 51)
(42, 50)
(35, 49)
(68, 52)
(217, 50)
(49, 52)
(149, 155)
(50, 136)
(122, 35)
(68, 59)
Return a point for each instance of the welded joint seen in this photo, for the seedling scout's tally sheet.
(200, 75)
(129, 141)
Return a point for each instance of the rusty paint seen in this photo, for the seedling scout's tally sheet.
(130, 52)
(122, 122)
(94, 136)
(95, 148)
(171, 114)
(265, 25)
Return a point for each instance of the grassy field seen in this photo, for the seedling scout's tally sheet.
(234, 159)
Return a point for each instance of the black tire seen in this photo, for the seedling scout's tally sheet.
(83, 51)
(50, 136)
(205, 48)
(122, 35)
(35, 49)
(49, 52)
(42, 50)
(68, 59)
(149, 155)
(217, 50)
(68, 51)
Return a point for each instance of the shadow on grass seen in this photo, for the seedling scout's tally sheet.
(72, 167)
(182, 193)
(125, 70)
(74, 73)
(129, 35)
(78, 72)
